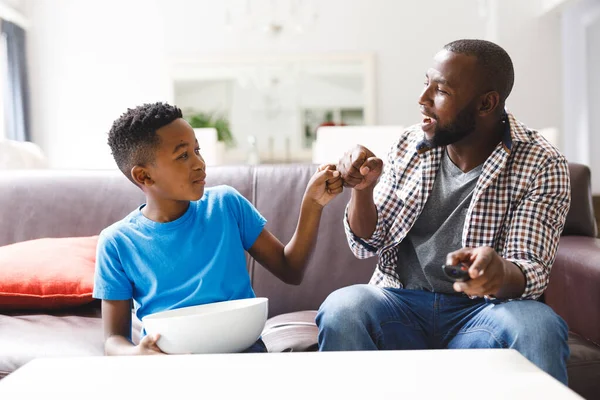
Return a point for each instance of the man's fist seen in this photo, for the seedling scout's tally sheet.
(360, 168)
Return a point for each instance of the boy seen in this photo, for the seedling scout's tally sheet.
(185, 245)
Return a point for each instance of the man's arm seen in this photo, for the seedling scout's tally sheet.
(116, 318)
(288, 262)
(362, 213)
(360, 170)
(538, 222)
(531, 242)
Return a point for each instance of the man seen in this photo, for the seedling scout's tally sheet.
(468, 186)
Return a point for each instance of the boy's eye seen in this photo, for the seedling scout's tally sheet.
(197, 151)
(184, 156)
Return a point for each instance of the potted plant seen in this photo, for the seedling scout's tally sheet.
(212, 120)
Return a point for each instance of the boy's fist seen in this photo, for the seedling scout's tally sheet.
(324, 185)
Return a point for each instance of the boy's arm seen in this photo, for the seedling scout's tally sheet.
(289, 262)
(116, 318)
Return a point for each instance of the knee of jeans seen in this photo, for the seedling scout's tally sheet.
(537, 323)
(343, 307)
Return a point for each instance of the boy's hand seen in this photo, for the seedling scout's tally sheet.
(148, 347)
(324, 185)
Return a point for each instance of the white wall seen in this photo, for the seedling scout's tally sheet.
(594, 100)
(533, 40)
(90, 60)
(404, 35)
(581, 83)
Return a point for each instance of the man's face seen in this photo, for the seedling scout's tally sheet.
(449, 99)
(178, 170)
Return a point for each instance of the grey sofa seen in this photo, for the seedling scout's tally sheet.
(35, 204)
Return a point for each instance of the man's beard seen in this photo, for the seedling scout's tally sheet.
(461, 127)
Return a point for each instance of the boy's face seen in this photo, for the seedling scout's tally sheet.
(178, 171)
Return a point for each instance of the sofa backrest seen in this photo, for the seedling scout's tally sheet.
(59, 203)
(278, 194)
(580, 220)
(55, 203)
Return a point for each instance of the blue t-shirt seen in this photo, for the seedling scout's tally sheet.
(197, 259)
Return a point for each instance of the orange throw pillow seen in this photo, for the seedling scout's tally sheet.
(47, 273)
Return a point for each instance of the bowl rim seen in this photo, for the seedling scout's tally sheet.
(160, 314)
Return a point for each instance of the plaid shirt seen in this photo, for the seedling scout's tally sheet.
(518, 208)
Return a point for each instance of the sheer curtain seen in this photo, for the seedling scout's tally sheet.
(15, 85)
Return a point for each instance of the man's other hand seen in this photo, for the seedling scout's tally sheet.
(486, 269)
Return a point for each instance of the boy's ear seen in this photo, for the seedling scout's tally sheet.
(141, 176)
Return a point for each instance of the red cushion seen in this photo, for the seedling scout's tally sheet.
(47, 273)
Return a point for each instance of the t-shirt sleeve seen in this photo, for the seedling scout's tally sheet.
(110, 280)
(249, 220)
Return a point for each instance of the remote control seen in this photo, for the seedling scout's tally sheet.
(457, 273)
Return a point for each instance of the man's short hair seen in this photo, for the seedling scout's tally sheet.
(495, 64)
(133, 139)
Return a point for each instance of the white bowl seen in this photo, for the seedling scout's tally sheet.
(223, 327)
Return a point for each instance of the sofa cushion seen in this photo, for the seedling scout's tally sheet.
(294, 331)
(584, 367)
(47, 273)
(73, 332)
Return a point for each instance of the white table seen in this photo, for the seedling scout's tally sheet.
(436, 374)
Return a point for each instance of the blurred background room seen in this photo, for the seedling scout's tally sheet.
(278, 81)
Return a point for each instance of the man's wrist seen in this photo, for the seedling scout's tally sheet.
(363, 194)
(513, 283)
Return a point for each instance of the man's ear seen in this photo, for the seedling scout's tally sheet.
(141, 176)
(489, 103)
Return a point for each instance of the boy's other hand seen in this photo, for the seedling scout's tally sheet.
(148, 346)
(324, 185)
(360, 168)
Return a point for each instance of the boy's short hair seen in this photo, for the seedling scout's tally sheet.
(133, 139)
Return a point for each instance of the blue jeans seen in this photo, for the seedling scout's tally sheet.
(366, 317)
(257, 347)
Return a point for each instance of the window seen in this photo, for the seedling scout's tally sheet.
(3, 66)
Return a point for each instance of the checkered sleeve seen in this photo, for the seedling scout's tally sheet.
(538, 221)
(386, 204)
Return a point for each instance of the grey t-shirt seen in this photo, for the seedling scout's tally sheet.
(438, 230)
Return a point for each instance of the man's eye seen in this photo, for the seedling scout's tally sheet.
(441, 91)
(197, 151)
(184, 156)
(425, 83)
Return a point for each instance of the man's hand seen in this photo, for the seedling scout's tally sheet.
(148, 346)
(324, 185)
(360, 168)
(487, 270)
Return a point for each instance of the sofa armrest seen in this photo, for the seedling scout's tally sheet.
(573, 291)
